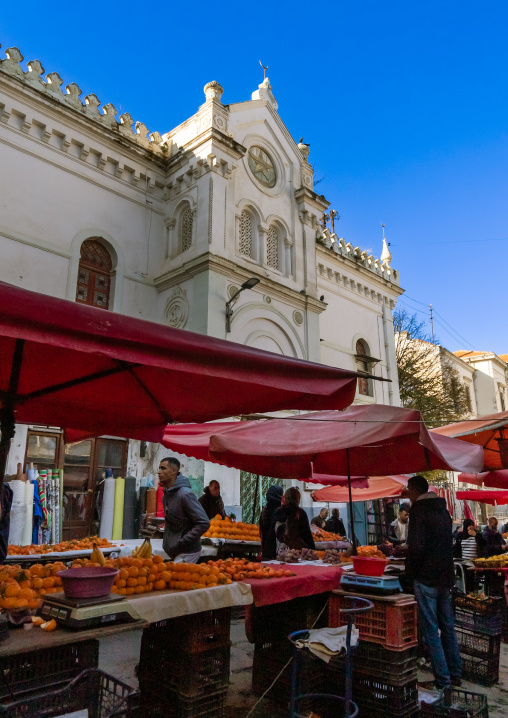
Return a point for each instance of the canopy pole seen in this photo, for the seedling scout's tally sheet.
(351, 517)
(7, 418)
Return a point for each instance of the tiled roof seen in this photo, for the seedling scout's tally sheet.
(504, 357)
(468, 353)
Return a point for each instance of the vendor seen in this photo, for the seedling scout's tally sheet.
(268, 540)
(212, 501)
(397, 534)
(185, 518)
(5, 516)
(320, 519)
(469, 543)
(291, 524)
(335, 524)
(494, 542)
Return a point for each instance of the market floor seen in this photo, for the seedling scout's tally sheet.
(120, 654)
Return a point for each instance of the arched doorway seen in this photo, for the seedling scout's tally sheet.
(94, 274)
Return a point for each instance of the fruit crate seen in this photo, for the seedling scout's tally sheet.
(189, 674)
(483, 671)
(45, 667)
(457, 704)
(168, 704)
(391, 623)
(373, 659)
(201, 632)
(101, 694)
(482, 616)
(377, 697)
(481, 645)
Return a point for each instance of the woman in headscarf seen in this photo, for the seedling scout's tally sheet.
(268, 542)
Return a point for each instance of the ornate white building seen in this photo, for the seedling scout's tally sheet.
(168, 227)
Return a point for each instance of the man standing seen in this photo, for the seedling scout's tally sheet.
(493, 541)
(185, 519)
(398, 528)
(335, 524)
(320, 519)
(212, 501)
(430, 564)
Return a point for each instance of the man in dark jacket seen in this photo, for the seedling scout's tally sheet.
(430, 564)
(212, 501)
(493, 541)
(185, 518)
(5, 518)
(268, 540)
(397, 533)
(335, 524)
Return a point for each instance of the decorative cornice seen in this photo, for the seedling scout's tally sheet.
(339, 250)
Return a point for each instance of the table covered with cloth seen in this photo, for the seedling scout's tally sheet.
(308, 580)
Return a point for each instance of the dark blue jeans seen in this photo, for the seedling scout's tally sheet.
(435, 612)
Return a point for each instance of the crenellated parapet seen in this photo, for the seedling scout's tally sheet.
(89, 106)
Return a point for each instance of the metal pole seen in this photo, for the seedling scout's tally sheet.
(431, 322)
(351, 517)
(7, 418)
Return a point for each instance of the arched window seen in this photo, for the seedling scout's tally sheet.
(186, 229)
(272, 248)
(246, 243)
(94, 275)
(362, 364)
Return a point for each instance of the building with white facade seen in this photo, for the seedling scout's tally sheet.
(167, 227)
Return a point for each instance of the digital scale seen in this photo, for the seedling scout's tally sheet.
(380, 585)
(88, 612)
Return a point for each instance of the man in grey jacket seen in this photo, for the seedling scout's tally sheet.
(185, 518)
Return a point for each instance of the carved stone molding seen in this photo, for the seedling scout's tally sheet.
(177, 308)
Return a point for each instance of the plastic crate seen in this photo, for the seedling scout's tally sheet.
(276, 621)
(490, 607)
(189, 674)
(165, 704)
(477, 644)
(45, 667)
(457, 704)
(373, 659)
(190, 634)
(483, 671)
(100, 693)
(490, 625)
(391, 624)
(380, 698)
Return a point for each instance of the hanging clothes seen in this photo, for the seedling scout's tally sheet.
(38, 515)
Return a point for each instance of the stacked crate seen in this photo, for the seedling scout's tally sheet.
(479, 625)
(184, 666)
(385, 661)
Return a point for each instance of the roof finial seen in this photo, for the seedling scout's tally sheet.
(386, 256)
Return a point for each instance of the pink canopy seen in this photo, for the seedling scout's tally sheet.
(327, 446)
(492, 479)
(484, 497)
(380, 487)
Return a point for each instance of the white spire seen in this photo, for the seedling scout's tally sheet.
(386, 255)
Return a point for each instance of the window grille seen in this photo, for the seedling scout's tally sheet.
(272, 248)
(246, 234)
(95, 265)
(186, 229)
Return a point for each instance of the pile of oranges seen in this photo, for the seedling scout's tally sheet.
(239, 568)
(23, 588)
(370, 552)
(229, 529)
(322, 535)
(62, 547)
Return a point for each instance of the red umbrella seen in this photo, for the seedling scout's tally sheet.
(484, 497)
(487, 431)
(66, 364)
(492, 479)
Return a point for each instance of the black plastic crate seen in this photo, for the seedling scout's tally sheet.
(482, 645)
(100, 693)
(166, 704)
(204, 631)
(483, 671)
(189, 674)
(377, 697)
(491, 625)
(373, 659)
(457, 704)
(45, 667)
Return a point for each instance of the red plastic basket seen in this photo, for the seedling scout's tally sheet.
(392, 624)
(368, 566)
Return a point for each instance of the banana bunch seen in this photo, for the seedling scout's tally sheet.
(97, 556)
(143, 551)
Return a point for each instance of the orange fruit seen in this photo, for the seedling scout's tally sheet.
(142, 581)
(128, 591)
(159, 585)
(134, 571)
(166, 576)
(139, 589)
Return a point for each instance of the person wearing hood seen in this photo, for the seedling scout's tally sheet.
(185, 518)
(212, 501)
(268, 541)
(291, 524)
(429, 564)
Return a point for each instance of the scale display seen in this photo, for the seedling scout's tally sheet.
(82, 613)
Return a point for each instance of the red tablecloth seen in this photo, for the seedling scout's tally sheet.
(308, 581)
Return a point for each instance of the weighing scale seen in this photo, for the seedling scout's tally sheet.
(380, 585)
(88, 612)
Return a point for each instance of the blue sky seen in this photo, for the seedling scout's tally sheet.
(405, 106)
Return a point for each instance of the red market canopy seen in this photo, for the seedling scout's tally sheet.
(70, 365)
(484, 497)
(492, 479)
(326, 447)
(486, 431)
(380, 487)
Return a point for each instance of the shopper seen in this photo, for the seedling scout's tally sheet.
(268, 540)
(397, 533)
(5, 517)
(335, 524)
(212, 501)
(185, 518)
(320, 519)
(430, 565)
(291, 524)
(469, 543)
(494, 542)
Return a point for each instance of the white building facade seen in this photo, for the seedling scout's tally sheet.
(167, 227)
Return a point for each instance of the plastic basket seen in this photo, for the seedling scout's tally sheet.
(45, 667)
(368, 566)
(100, 693)
(490, 607)
(481, 645)
(457, 704)
(491, 625)
(189, 674)
(378, 697)
(483, 671)
(373, 659)
(166, 704)
(202, 632)
(391, 624)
